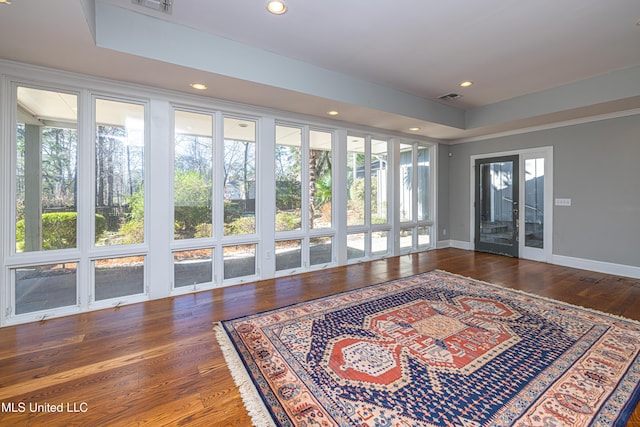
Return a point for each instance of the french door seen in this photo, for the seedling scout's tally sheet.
(496, 205)
(512, 198)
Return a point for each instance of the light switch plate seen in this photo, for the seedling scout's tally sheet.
(563, 202)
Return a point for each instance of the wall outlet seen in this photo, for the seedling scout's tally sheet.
(563, 202)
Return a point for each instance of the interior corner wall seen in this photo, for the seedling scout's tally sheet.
(596, 165)
(443, 193)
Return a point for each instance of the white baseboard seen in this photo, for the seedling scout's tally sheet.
(565, 261)
(599, 266)
(441, 244)
(458, 244)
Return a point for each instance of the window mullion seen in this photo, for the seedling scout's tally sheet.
(85, 196)
(304, 178)
(266, 197)
(367, 195)
(414, 195)
(340, 197)
(218, 197)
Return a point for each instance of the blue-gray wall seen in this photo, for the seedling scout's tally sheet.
(596, 165)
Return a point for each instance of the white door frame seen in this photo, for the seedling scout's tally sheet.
(544, 254)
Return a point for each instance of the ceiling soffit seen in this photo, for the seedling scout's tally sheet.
(141, 34)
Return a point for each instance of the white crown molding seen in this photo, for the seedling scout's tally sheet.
(560, 124)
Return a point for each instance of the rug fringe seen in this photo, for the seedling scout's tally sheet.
(258, 412)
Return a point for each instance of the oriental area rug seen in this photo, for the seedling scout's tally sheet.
(435, 349)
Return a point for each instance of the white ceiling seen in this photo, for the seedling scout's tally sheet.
(379, 63)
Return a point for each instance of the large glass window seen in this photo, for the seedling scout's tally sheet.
(78, 212)
(239, 176)
(320, 179)
(379, 242)
(424, 194)
(379, 181)
(239, 261)
(356, 181)
(288, 180)
(406, 239)
(119, 172)
(367, 217)
(424, 236)
(356, 245)
(192, 267)
(415, 197)
(118, 277)
(304, 196)
(321, 250)
(288, 255)
(45, 287)
(406, 182)
(193, 175)
(46, 202)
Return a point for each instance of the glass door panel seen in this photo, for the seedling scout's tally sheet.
(534, 203)
(497, 205)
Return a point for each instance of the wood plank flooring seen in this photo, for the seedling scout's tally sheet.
(158, 363)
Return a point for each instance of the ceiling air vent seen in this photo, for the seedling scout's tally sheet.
(159, 5)
(450, 97)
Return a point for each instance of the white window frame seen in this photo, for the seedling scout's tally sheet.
(415, 223)
(15, 260)
(159, 244)
(211, 242)
(305, 234)
(96, 253)
(368, 228)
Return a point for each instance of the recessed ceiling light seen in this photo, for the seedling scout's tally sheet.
(199, 86)
(276, 7)
(414, 129)
(5, 1)
(466, 84)
(332, 113)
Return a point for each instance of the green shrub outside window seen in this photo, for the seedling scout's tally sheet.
(58, 230)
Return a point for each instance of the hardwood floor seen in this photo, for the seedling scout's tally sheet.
(158, 363)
